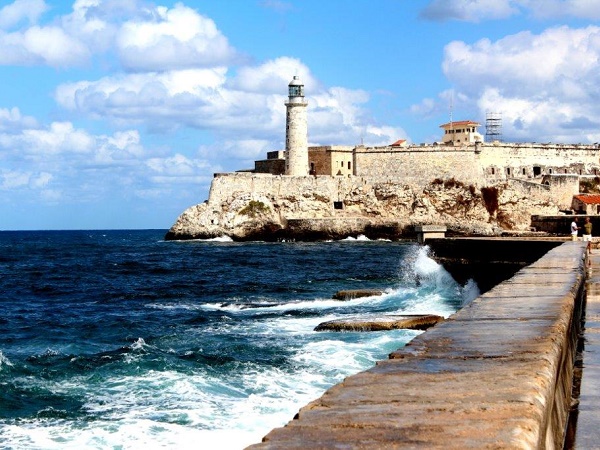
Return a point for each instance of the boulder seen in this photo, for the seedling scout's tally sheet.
(356, 293)
(383, 323)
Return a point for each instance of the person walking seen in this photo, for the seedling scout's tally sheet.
(587, 234)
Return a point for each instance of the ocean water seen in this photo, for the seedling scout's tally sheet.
(121, 340)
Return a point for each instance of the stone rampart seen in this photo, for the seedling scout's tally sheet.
(497, 374)
(418, 165)
(479, 164)
(500, 161)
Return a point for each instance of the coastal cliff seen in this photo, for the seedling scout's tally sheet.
(247, 206)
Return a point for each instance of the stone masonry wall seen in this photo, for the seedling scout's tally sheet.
(419, 165)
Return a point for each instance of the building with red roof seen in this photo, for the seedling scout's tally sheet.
(586, 203)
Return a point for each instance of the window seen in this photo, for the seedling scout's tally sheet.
(524, 172)
(508, 171)
(296, 91)
(338, 205)
(537, 171)
(341, 163)
(349, 165)
(493, 171)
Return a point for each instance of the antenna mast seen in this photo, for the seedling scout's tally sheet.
(451, 107)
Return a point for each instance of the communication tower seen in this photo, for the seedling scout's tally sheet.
(493, 127)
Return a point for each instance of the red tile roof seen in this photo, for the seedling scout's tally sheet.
(460, 123)
(399, 143)
(589, 199)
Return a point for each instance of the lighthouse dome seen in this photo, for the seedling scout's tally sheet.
(296, 87)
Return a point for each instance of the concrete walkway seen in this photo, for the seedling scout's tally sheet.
(588, 419)
(497, 374)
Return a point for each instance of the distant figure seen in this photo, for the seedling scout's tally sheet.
(587, 234)
(574, 229)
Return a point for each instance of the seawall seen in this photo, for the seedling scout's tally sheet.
(488, 261)
(497, 374)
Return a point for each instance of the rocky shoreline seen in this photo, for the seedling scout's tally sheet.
(308, 209)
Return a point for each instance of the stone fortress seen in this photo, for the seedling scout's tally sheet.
(321, 192)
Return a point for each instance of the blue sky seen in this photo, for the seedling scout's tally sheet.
(116, 113)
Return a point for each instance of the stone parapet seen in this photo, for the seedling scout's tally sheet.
(497, 374)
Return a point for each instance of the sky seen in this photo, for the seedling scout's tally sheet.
(115, 114)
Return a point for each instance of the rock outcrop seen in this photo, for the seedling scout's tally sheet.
(385, 323)
(247, 206)
(351, 294)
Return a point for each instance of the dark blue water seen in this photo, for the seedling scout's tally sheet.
(118, 339)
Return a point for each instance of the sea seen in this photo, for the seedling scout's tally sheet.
(121, 340)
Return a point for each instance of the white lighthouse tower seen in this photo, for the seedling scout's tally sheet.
(296, 130)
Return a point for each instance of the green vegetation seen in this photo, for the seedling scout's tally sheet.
(254, 208)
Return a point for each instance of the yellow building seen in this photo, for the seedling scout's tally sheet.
(461, 132)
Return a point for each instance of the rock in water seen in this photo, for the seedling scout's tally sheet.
(356, 293)
(410, 322)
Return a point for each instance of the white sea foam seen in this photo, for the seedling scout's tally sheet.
(219, 239)
(4, 361)
(360, 238)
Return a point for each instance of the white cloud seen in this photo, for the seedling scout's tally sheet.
(174, 38)
(548, 82)
(583, 9)
(270, 76)
(40, 180)
(11, 120)
(14, 13)
(42, 46)
(13, 179)
(61, 137)
(179, 169)
(481, 10)
(140, 36)
(470, 10)
(251, 104)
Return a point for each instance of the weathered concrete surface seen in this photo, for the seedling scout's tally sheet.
(497, 374)
(587, 434)
(382, 323)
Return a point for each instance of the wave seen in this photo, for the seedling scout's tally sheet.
(4, 361)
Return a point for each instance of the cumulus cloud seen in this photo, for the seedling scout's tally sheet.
(49, 46)
(21, 10)
(549, 82)
(11, 120)
(179, 169)
(174, 38)
(249, 105)
(63, 163)
(481, 10)
(141, 37)
(583, 9)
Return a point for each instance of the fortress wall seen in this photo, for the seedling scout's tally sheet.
(521, 159)
(321, 159)
(224, 186)
(419, 165)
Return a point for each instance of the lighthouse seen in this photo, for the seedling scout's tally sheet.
(296, 130)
